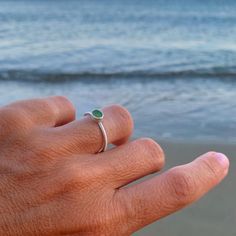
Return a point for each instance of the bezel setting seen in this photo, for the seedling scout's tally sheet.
(97, 114)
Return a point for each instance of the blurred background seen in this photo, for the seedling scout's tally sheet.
(171, 63)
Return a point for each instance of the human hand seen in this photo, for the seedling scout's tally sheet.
(53, 183)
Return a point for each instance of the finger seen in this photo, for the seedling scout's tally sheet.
(171, 191)
(131, 161)
(51, 111)
(84, 136)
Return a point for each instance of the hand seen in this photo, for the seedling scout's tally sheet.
(53, 183)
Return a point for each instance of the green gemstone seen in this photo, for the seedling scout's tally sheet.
(97, 114)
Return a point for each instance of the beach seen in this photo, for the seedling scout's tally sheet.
(215, 213)
(196, 109)
(170, 63)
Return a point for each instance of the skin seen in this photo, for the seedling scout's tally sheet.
(53, 182)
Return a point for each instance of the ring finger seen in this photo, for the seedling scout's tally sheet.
(85, 136)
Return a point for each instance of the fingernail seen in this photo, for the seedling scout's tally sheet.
(222, 159)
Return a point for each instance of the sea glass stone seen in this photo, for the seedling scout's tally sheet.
(97, 114)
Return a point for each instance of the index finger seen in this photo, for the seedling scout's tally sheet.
(162, 195)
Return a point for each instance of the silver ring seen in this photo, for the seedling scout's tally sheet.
(97, 115)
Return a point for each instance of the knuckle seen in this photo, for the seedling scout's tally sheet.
(78, 176)
(127, 209)
(124, 117)
(44, 105)
(71, 180)
(64, 100)
(153, 150)
(183, 185)
(57, 103)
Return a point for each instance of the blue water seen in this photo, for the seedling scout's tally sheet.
(172, 63)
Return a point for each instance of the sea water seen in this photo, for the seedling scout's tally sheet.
(171, 63)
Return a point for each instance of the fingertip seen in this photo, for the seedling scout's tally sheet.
(218, 157)
(217, 162)
(222, 160)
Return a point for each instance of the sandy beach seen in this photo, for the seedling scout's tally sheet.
(214, 214)
(170, 63)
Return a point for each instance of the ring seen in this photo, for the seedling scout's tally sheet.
(97, 115)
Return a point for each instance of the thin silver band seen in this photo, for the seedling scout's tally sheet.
(103, 131)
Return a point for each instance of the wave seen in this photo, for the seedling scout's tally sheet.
(44, 76)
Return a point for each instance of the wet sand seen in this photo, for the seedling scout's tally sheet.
(214, 214)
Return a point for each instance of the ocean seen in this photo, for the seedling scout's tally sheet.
(171, 63)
